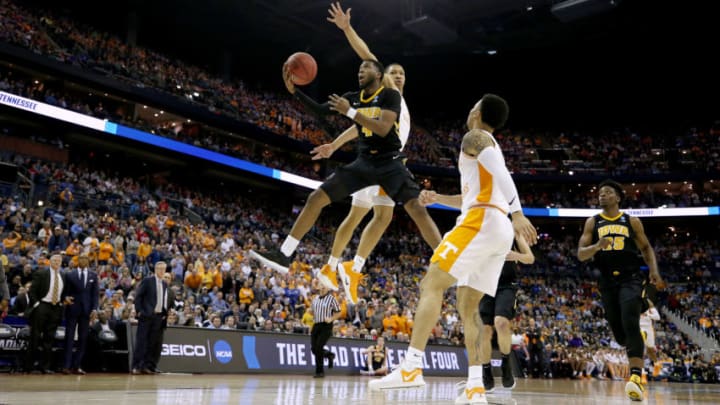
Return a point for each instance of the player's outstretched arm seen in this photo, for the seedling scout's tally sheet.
(428, 197)
(309, 103)
(342, 20)
(326, 150)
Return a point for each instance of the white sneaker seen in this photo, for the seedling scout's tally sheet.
(398, 379)
(472, 395)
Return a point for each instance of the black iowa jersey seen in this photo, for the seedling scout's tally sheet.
(370, 105)
(621, 257)
(508, 277)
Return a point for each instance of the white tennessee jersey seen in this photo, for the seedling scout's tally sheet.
(404, 121)
(479, 186)
(647, 317)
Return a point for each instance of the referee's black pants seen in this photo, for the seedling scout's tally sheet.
(319, 336)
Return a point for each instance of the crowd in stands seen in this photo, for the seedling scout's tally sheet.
(620, 152)
(560, 330)
(533, 194)
(699, 302)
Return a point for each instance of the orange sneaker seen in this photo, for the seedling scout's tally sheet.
(350, 281)
(328, 277)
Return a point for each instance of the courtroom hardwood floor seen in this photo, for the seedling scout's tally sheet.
(170, 389)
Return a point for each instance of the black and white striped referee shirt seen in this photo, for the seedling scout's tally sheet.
(323, 307)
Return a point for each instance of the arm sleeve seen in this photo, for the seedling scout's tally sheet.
(319, 109)
(492, 160)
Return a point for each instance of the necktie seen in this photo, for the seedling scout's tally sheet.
(158, 303)
(84, 277)
(56, 287)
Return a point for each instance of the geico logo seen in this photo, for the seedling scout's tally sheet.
(184, 350)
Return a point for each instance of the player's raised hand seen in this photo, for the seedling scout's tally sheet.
(338, 17)
(322, 151)
(287, 78)
(339, 104)
(427, 197)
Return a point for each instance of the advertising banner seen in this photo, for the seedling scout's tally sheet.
(196, 350)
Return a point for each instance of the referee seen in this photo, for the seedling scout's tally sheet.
(326, 310)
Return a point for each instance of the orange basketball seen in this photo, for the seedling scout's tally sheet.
(302, 67)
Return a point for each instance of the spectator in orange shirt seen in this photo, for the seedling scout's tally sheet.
(389, 323)
(105, 251)
(144, 249)
(193, 279)
(208, 242)
(13, 238)
(73, 249)
(246, 294)
(91, 245)
(400, 321)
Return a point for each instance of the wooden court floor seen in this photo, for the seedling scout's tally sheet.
(171, 389)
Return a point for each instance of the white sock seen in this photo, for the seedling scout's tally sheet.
(358, 264)
(475, 375)
(413, 359)
(289, 246)
(333, 262)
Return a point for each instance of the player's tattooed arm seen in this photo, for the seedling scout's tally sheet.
(475, 141)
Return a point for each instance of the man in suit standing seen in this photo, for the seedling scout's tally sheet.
(82, 287)
(151, 305)
(46, 294)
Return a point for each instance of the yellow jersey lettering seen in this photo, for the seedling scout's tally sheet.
(613, 229)
(370, 112)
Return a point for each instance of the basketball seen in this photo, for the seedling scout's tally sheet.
(302, 67)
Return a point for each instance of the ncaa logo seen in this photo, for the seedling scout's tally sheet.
(223, 351)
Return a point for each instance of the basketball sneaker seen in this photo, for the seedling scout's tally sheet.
(273, 258)
(634, 388)
(328, 278)
(508, 380)
(398, 379)
(350, 280)
(472, 395)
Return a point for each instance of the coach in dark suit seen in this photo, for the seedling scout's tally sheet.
(46, 294)
(151, 305)
(82, 289)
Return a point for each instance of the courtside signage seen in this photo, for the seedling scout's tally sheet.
(199, 350)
